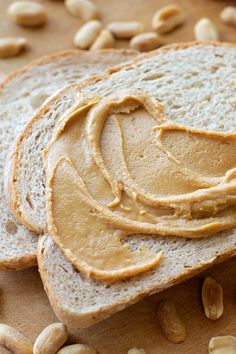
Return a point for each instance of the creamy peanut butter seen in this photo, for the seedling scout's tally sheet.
(118, 167)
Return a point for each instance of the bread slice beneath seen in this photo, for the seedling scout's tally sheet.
(21, 95)
(196, 83)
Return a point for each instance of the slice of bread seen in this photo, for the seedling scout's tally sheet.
(196, 83)
(21, 95)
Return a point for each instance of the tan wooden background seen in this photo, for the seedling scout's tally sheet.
(23, 302)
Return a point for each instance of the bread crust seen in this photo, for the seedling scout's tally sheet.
(18, 263)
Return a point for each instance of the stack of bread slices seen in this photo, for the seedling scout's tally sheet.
(195, 83)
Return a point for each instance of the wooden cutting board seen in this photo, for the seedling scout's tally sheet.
(23, 302)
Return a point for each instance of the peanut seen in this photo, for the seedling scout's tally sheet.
(136, 351)
(14, 341)
(87, 34)
(168, 18)
(228, 15)
(125, 29)
(104, 40)
(84, 9)
(170, 322)
(51, 339)
(10, 47)
(212, 299)
(205, 30)
(222, 345)
(145, 41)
(27, 13)
(77, 349)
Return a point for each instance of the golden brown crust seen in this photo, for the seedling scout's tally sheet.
(18, 263)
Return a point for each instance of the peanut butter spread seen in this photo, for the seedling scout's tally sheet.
(117, 167)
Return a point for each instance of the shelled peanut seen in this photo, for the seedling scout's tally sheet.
(87, 34)
(125, 29)
(77, 349)
(50, 340)
(83, 9)
(136, 351)
(228, 15)
(212, 299)
(222, 345)
(104, 40)
(14, 340)
(205, 30)
(170, 322)
(145, 42)
(12, 46)
(27, 13)
(168, 18)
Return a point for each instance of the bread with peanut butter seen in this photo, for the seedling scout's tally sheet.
(21, 95)
(196, 85)
(116, 167)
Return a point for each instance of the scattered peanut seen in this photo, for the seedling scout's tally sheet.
(136, 351)
(14, 341)
(27, 13)
(212, 299)
(170, 322)
(125, 29)
(87, 34)
(228, 15)
(10, 47)
(51, 339)
(84, 9)
(168, 18)
(222, 345)
(205, 30)
(77, 349)
(104, 40)
(145, 41)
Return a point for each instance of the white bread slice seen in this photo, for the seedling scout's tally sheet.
(21, 94)
(196, 85)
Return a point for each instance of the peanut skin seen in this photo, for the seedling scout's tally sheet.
(170, 322)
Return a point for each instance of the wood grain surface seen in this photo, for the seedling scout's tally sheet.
(23, 302)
